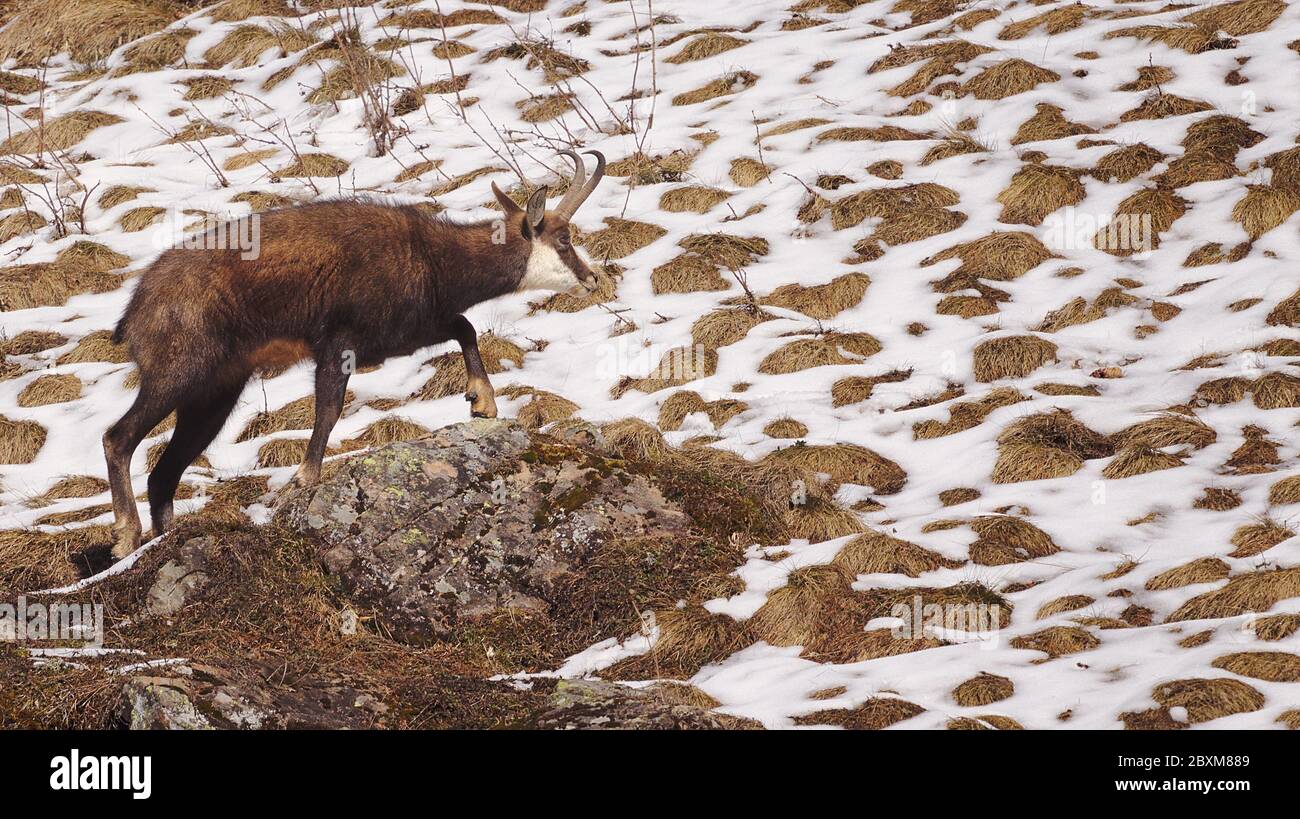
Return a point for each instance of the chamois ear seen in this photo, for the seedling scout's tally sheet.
(507, 204)
(536, 210)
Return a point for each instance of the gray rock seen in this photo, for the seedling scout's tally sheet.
(178, 579)
(480, 517)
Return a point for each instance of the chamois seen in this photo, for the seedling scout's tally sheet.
(346, 283)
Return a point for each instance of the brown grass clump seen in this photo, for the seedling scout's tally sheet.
(730, 251)
(59, 134)
(245, 44)
(449, 368)
(1240, 18)
(387, 430)
(1038, 190)
(958, 496)
(1217, 499)
(87, 31)
(1287, 312)
(824, 350)
(1129, 162)
(70, 486)
(1126, 234)
(1286, 169)
(50, 389)
(787, 428)
(1003, 539)
(954, 144)
(918, 224)
(1276, 627)
(1257, 591)
(137, 219)
(29, 342)
(873, 715)
(1007, 78)
(1263, 208)
(688, 273)
(675, 408)
(1048, 122)
(967, 414)
(1192, 39)
(1207, 699)
(619, 238)
(315, 165)
(20, 441)
(96, 346)
(818, 519)
(692, 199)
(651, 170)
(748, 172)
(1285, 491)
(890, 203)
(720, 328)
(1057, 641)
(118, 194)
(1255, 538)
(1223, 390)
(1198, 166)
(883, 133)
(706, 45)
(999, 256)
(1290, 718)
(1167, 429)
(732, 83)
(1276, 390)
(857, 388)
(1271, 666)
(1161, 105)
(983, 689)
(19, 223)
(845, 463)
(240, 161)
(634, 438)
(1220, 135)
(821, 301)
(1139, 460)
(879, 553)
(1204, 570)
(1047, 445)
(688, 639)
(1011, 357)
(677, 366)
(206, 87)
(795, 125)
(1256, 454)
(1070, 602)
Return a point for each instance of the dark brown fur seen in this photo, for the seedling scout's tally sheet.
(346, 283)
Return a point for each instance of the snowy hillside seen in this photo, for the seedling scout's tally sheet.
(1016, 281)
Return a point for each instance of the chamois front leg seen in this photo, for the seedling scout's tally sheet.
(333, 368)
(479, 391)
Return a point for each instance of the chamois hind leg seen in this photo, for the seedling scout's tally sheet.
(479, 393)
(120, 442)
(332, 373)
(197, 423)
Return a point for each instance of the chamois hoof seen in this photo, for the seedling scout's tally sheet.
(125, 545)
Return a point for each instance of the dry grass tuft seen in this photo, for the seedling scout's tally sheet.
(1276, 390)
(1256, 538)
(1139, 460)
(883, 133)
(708, 44)
(692, 199)
(1263, 208)
(873, 715)
(890, 203)
(1007, 78)
(1038, 190)
(1129, 162)
(879, 553)
(449, 368)
(748, 172)
(958, 496)
(1271, 666)
(1192, 39)
(1003, 539)
(312, 165)
(857, 388)
(821, 301)
(1285, 491)
(1256, 591)
(1207, 699)
(634, 438)
(89, 32)
(967, 414)
(688, 639)
(1161, 105)
(1276, 627)
(1287, 312)
(732, 83)
(1047, 445)
(720, 328)
(1070, 602)
(619, 238)
(59, 134)
(983, 689)
(50, 389)
(1056, 21)
(1167, 429)
(845, 463)
(999, 256)
(20, 441)
(1128, 231)
(1011, 357)
(1057, 641)
(1217, 499)
(1048, 122)
(824, 350)
(688, 273)
(1240, 18)
(1204, 570)
(786, 428)
(387, 430)
(96, 346)
(243, 45)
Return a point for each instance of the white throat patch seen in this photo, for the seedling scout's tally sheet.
(546, 271)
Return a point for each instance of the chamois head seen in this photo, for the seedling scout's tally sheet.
(553, 263)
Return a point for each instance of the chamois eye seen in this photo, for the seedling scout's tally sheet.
(564, 239)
